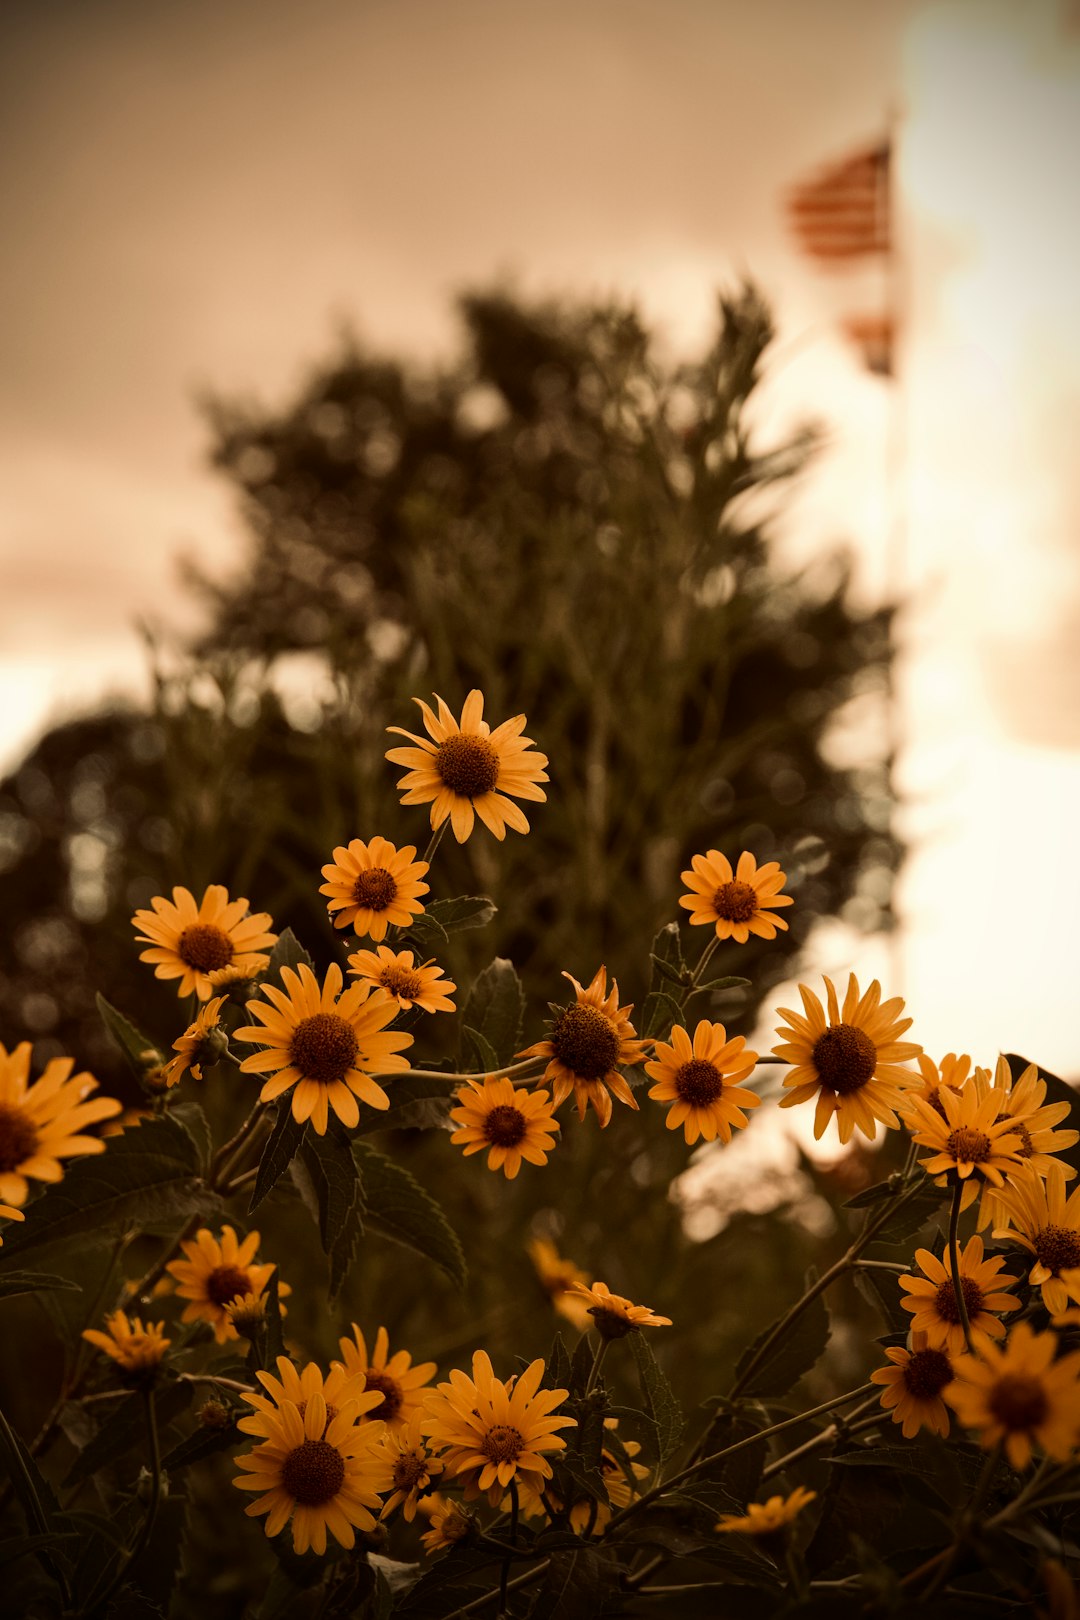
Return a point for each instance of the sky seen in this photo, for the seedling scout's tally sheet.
(197, 198)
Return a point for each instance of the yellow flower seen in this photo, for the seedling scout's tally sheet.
(914, 1385)
(590, 1040)
(953, 1073)
(374, 885)
(493, 1432)
(616, 1316)
(336, 1387)
(323, 1475)
(326, 1044)
(932, 1297)
(1033, 1119)
(410, 986)
(215, 1273)
(701, 1081)
(450, 1523)
(247, 1314)
(588, 1516)
(188, 941)
(1020, 1396)
(1048, 1225)
(243, 970)
(411, 1467)
(514, 1123)
(398, 1382)
(853, 1060)
(558, 1276)
(739, 902)
(40, 1124)
(135, 1347)
(765, 1518)
(466, 769)
(967, 1138)
(195, 1046)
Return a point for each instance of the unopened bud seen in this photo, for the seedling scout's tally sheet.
(214, 1415)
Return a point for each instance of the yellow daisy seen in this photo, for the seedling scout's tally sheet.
(241, 971)
(450, 1523)
(967, 1138)
(853, 1060)
(323, 1475)
(701, 1081)
(932, 1297)
(201, 1045)
(952, 1073)
(1033, 1120)
(914, 1385)
(513, 1123)
(326, 1044)
(247, 1314)
(136, 1347)
(587, 1515)
(216, 1272)
(739, 902)
(41, 1124)
(336, 1387)
(373, 886)
(493, 1432)
(400, 1384)
(411, 1467)
(765, 1518)
(1048, 1225)
(410, 986)
(616, 1316)
(188, 941)
(1019, 1396)
(590, 1041)
(558, 1277)
(467, 769)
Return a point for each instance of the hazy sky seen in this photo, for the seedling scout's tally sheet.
(197, 195)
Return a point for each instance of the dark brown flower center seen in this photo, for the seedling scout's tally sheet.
(409, 1469)
(392, 1395)
(699, 1083)
(468, 765)
(969, 1146)
(225, 1282)
(401, 982)
(502, 1444)
(323, 1047)
(1018, 1402)
(505, 1126)
(845, 1058)
(1058, 1247)
(584, 1041)
(610, 1324)
(205, 947)
(313, 1473)
(1027, 1146)
(735, 902)
(18, 1138)
(375, 889)
(945, 1300)
(927, 1373)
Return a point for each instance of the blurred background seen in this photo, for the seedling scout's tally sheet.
(355, 351)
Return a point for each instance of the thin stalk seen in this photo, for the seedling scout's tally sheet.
(96, 1604)
(598, 1362)
(435, 840)
(504, 1573)
(480, 1603)
(954, 1263)
(453, 1076)
(147, 1281)
(702, 964)
(833, 1432)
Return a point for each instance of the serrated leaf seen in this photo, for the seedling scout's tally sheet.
(581, 1364)
(146, 1177)
(658, 1014)
(128, 1040)
(281, 1148)
(666, 953)
(666, 972)
(660, 1402)
(330, 1164)
(477, 1052)
(910, 1215)
(288, 952)
(790, 1356)
(33, 1282)
(575, 1585)
(730, 981)
(125, 1428)
(557, 1366)
(195, 1122)
(415, 1105)
(882, 1288)
(496, 1007)
(202, 1443)
(463, 912)
(872, 1196)
(399, 1208)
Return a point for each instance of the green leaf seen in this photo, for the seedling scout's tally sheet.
(660, 1402)
(882, 1288)
(557, 1366)
(275, 1339)
(125, 1428)
(35, 1494)
(792, 1354)
(659, 1013)
(415, 1105)
(496, 1007)
(202, 1443)
(730, 981)
(399, 1208)
(33, 1282)
(129, 1040)
(147, 1177)
(281, 1148)
(329, 1162)
(288, 952)
(457, 915)
(581, 1363)
(667, 972)
(912, 1214)
(576, 1585)
(477, 1052)
(16, 1547)
(195, 1122)
(667, 956)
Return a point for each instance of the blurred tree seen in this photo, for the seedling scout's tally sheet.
(558, 518)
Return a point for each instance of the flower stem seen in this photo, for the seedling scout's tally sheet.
(138, 1546)
(504, 1572)
(954, 1263)
(598, 1361)
(452, 1076)
(435, 841)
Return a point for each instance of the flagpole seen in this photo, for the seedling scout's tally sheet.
(896, 478)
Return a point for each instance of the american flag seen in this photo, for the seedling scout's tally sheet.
(843, 212)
